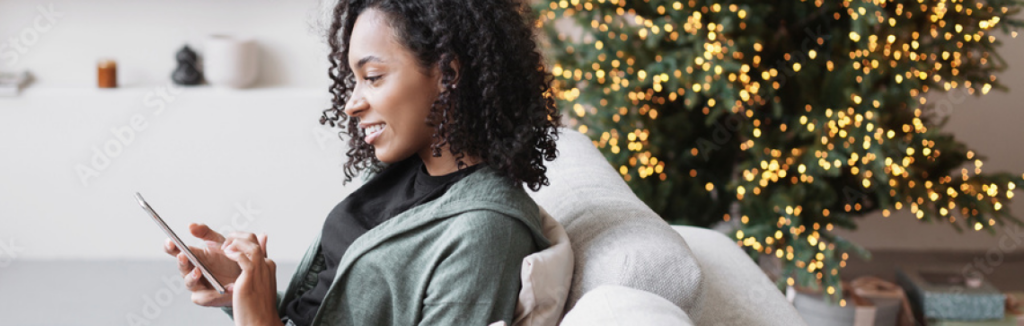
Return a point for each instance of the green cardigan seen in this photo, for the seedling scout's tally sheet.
(455, 260)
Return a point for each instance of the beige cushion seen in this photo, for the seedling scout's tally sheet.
(546, 277)
(614, 305)
(736, 291)
(616, 238)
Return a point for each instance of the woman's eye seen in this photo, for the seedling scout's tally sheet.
(372, 78)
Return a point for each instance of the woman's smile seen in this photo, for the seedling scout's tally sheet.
(372, 131)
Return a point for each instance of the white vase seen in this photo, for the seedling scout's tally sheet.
(230, 62)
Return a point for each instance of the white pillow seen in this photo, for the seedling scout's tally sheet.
(546, 277)
(614, 305)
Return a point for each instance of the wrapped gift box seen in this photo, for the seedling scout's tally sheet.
(861, 312)
(1016, 310)
(1008, 321)
(815, 311)
(942, 294)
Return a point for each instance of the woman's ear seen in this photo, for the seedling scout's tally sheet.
(455, 66)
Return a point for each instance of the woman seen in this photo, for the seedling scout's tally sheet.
(447, 107)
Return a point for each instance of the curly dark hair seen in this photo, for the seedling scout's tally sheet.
(500, 109)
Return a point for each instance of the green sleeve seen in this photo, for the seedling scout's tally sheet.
(478, 282)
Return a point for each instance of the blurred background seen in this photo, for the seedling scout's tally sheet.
(75, 248)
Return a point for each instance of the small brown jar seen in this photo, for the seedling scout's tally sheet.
(106, 72)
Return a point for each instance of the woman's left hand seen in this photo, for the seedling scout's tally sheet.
(254, 293)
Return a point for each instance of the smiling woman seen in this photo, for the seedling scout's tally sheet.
(469, 70)
(446, 106)
(392, 97)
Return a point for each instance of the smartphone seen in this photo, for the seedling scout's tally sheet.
(181, 245)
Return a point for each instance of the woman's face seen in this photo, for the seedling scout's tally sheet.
(392, 96)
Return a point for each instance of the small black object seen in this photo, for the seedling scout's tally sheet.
(187, 72)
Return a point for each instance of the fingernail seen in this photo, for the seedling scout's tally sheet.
(212, 244)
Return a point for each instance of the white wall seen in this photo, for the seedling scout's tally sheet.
(143, 37)
(247, 160)
(254, 160)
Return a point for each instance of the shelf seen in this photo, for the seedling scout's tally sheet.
(135, 91)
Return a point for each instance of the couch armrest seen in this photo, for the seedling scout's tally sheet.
(615, 305)
(736, 291)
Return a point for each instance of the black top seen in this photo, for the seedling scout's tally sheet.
(397, 188)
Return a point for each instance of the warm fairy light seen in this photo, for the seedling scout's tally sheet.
(620, 89)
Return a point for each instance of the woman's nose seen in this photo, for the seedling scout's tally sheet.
(355, 106)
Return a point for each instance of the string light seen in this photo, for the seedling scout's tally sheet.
(707, 61)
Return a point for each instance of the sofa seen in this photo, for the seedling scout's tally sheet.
(619, 242)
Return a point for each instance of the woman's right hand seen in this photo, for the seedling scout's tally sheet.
(223, 268)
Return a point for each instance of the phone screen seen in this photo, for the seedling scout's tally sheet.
(181, 245)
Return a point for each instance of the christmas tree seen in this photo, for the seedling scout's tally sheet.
(790, 117)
